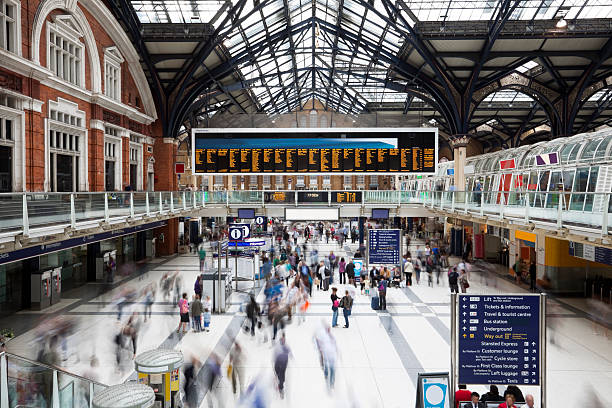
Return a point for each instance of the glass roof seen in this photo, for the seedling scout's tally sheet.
(454, 10)
(174, 11)
(344, 53)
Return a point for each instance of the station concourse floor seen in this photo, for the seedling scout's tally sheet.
(380, 354)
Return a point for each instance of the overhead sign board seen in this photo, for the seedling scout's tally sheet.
(279, 197)
(499, 339)
(239, 232)
(179, 168)
(547, 159)
(261, 220)
(384, 246)
(312, 197)
(591, 253)
(320, 150)
(346, 197)
(507, 164)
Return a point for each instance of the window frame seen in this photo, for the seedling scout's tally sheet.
(16, 29)
(61, 27)
(113, 60)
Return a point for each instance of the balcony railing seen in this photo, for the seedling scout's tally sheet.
(27, 383)
(25, 213)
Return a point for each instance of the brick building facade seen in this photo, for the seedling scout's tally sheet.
(77, 113)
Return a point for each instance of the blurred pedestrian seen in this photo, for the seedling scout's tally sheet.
(237, 371)
(190, 390)
(149, 298)
(281, 359)
(252, 312)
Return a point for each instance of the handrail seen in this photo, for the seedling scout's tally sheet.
(7, 394)
(28, 212)
(52, 367)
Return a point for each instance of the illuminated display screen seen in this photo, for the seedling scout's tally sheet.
(320, 151)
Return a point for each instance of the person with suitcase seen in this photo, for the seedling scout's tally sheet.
(382, 292)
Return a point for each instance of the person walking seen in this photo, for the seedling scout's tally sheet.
(335, 303)
(453, 278)
(202, 256)
(149, 298)
(350, 272)
(184, 312)
(281, 359)
(346, 303)
(463, 281)
(408, 269)
(532, 276)
(252, 312)
(417, 269)
(237, 372)
(329, 352)
(342, 271)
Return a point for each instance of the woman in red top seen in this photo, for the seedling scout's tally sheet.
(509, 402)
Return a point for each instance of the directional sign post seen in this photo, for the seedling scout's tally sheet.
(384, 246)
(499, 339)
(238, 232)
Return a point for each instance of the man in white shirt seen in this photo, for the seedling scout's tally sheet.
(529, 401)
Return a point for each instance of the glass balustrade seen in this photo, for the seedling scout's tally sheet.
(33, 384)
(62, 209)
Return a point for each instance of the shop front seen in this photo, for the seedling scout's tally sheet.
(525, 245)
(36, 276)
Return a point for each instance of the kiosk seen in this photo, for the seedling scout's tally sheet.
(128, 395)
(159, 369)
(210, 284)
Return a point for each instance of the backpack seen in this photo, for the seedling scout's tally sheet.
(452, 278)
(184, 307)
(381, 287)
(336, 303)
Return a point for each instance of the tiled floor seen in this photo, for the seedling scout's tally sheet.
(380, 354)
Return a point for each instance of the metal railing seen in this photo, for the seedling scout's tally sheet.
(28, 383)
(21, 213)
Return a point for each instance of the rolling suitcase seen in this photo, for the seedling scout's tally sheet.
(375, 302)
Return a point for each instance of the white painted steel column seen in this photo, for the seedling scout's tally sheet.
(24, 215)
(55, 403)
(148, 208)
(184, 201)
(560, 212)
(4, 401)
(161, 204)
(72, 212)
(171, 202)
(131, 205)
(106, 215)
(605, 219)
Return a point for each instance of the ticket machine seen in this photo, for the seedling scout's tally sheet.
(56, 285)
(41, 287)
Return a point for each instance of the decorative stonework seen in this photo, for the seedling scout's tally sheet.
(11, 81)
(111, 117)
(457, 141)
(135, 126)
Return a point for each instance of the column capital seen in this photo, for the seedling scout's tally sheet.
(461, 140)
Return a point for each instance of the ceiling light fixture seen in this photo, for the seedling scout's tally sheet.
(561, 23)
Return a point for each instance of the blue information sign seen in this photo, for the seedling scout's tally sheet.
(499, 339)
(384, 246)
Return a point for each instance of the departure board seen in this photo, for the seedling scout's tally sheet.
(315, 151)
